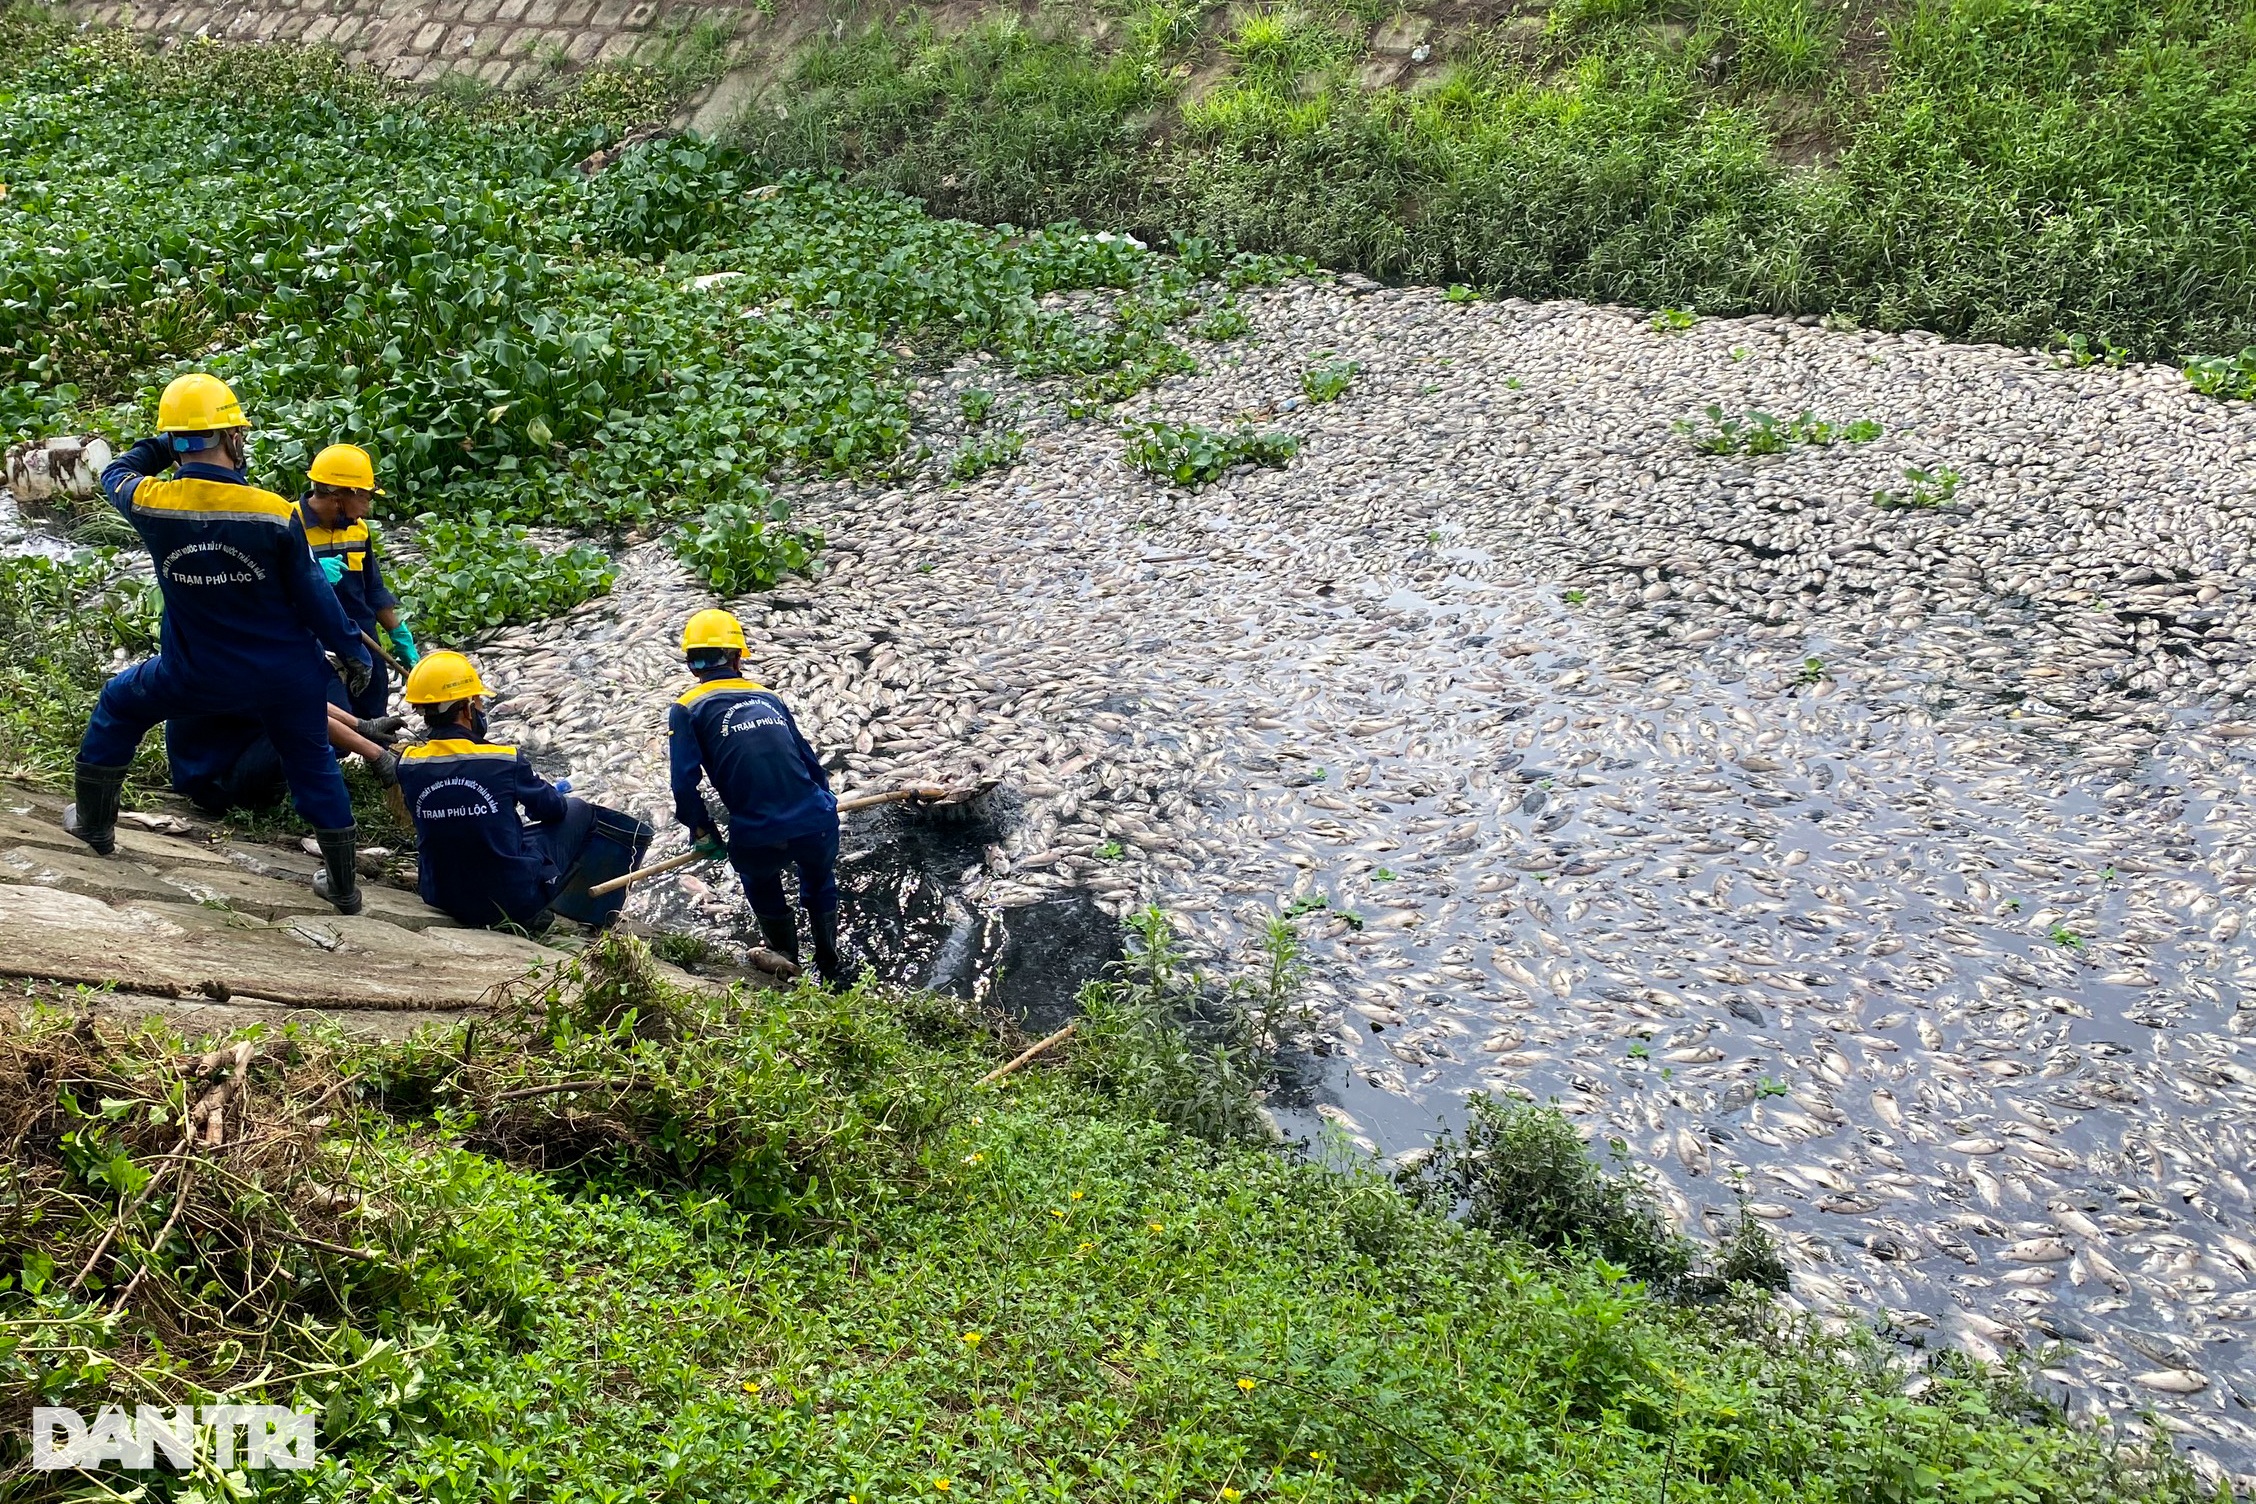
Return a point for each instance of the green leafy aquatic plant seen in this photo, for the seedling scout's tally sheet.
(1190, 455)
(475, 574)
(737, 548)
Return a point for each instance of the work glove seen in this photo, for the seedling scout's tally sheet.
(332, 569)
(563, 785)
(708, 845)
(403, 645)
(387, 768)
(383, 730)
(356, 672)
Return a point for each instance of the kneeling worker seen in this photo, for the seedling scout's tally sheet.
(781, 812)
(476, 858)
(228, 762)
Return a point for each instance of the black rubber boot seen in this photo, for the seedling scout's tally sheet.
(781, 932)
(339, 877)
(92, 814)
(838, 971)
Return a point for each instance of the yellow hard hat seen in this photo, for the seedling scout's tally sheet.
(346, 465)
(713, 629)
(442, 678)
(198, 403)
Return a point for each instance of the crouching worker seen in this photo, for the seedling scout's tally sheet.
(228, 762)
(781, 812)
(476, 858)
(246, 616)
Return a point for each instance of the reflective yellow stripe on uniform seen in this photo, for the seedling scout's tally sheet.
(454, 747)
(349, 542)
(212, 499)
(715, 686)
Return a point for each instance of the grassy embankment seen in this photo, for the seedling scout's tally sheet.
(2027, 171)
(629, 1244)
(645, 349)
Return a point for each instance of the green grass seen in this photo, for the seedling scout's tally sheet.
(2011, 170)
(785, 1251)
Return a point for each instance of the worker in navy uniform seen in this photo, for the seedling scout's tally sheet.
(781, 812)
(227, 762)
(476, 857)
(246, 616)
(335, 511)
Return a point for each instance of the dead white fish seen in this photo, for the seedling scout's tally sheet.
(2172, 1380)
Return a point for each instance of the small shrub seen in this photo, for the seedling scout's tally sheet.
(1154, 1040)
(1190, 455)
(1521, 1172)
(2228, 377)
(1328, 382)
(1674, 320)
(736, 549)
(477, 574)
(1928, 489)
(995, 452)
(975, 405)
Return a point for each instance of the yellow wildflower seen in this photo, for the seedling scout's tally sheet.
(1159, 1227)
(1246, 1385)
(1077, 1195)
(1230, 1495)
(971, 1339)
(941, 1484)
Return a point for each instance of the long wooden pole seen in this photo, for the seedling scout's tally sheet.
(1027, 1054)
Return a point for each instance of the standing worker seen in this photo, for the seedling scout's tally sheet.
(781, 812)
(246, 615)
(475, 856)
(335, 509)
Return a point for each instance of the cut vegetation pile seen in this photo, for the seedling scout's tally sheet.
(776, 1246)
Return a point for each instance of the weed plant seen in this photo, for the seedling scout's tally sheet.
(1763, 433)
(738, 547)
(2232, 377)
(1190, 455)
(1924, 489)
(1329, 381)
(993, 451)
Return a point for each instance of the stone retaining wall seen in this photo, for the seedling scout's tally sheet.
(511, 44)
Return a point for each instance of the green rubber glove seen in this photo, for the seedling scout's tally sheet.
(403, 643)
(332, 570)
(709, 846)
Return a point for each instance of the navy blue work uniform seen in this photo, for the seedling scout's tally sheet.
(246, 615)
(477, 859)
(781, 811)
(361, 591)
(223, 762)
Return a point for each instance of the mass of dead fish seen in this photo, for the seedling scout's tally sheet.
(1882, 869)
